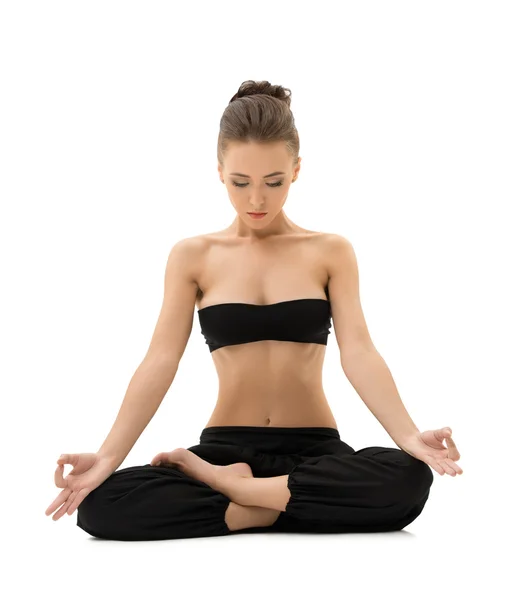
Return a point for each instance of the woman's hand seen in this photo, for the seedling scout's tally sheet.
(165, 459)
(427, 446)
(89, 471)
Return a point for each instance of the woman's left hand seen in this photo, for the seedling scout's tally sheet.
(428, 447)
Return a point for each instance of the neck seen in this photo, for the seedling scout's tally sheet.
(280, 225)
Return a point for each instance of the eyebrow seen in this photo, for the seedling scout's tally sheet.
(269, 175)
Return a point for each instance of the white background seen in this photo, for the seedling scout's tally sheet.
(109, 120)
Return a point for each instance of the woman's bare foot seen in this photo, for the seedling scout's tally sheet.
(197, 468)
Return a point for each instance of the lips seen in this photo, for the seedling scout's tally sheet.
(256, 213)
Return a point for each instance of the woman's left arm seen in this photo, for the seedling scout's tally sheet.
(366, 369)
(370, 376)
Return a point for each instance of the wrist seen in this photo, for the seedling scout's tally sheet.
(113, 460)
(409, 437)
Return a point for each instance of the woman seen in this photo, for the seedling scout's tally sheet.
(270, 457)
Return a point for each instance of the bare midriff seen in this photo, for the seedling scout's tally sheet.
(267, 383)
(271, 383)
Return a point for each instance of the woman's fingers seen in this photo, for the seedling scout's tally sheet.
(434, 464)
(453, 450)
(457, 469)
(158, 458)
(62, 497)
(69, 502)
(60, 482)
(59, 477)
(61, 512)
(74, 503)
(163, 458)
(446, 467)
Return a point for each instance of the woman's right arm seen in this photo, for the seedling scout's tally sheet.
(154, 376)
(145, 392)
(147, 387)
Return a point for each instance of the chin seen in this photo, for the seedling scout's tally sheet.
(257, 222)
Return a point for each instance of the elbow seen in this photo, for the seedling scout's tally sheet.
(161, 360)
(159, 367)
(355, 354)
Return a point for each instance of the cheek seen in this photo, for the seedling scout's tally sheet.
(283, 193)
(235, 197)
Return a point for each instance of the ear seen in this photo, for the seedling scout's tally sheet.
(220, 171)
(296, 170)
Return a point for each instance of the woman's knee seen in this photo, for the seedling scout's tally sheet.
(417, 477)
(94, 515)
(409, 476)
(406, 478)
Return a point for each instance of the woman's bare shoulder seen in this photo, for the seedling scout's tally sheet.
(197, 242)
(195, 247)
(334, 239)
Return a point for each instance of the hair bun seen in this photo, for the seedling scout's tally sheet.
(251, 88)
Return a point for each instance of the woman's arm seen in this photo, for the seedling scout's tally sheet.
(362, 364)
(154, 376)
(144, 395)
(372, 380)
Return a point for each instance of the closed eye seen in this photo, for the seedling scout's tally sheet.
(277, 184)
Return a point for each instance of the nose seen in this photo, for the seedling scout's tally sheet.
(256, 206)
(257, 201)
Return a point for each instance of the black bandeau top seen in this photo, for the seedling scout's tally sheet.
(305, 320)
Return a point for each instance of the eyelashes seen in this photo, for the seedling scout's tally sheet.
(242, 185)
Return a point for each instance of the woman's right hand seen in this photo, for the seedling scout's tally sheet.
(90, 470)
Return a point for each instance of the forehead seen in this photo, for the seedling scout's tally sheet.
(257, 159)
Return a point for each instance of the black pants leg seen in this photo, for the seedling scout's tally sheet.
(369, 490)
(152, 503)
(333, 487)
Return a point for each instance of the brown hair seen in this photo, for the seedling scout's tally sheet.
(258, 112)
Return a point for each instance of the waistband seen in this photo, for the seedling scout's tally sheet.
(271, 440)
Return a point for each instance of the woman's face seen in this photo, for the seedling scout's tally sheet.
(257, 177)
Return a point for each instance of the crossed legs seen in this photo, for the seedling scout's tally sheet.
(267, 492)
(243, 517)
(255, 501)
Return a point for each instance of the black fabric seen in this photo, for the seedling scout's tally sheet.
(305, 320)
(334, 489)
